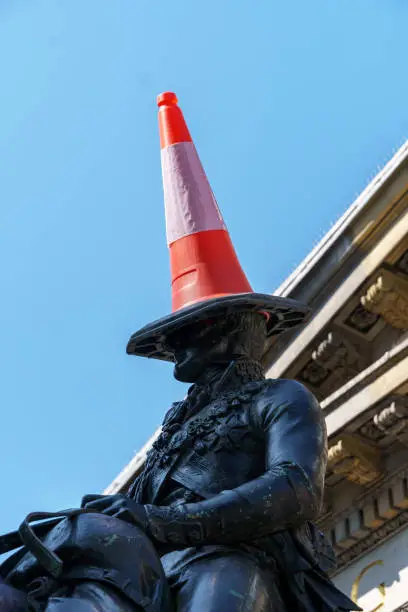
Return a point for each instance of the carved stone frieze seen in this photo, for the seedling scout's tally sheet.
(334, 361)
(338, 355)
(355, 460)
(388, 297)
(391, 419)
(331, 352)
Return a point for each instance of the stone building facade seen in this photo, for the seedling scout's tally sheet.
(353, 355)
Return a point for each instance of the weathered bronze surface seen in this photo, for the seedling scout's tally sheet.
(221, 517)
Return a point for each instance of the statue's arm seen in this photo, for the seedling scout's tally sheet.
(287, 494)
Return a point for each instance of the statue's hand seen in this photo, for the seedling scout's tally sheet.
(118, 506)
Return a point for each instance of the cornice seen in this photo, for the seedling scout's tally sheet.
(372, 518)
(368, 497)
(375, 538)
(338, 299)
(373, 372)
(346, 221)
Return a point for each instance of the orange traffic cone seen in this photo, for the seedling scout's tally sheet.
(203, 262)
(206, 277)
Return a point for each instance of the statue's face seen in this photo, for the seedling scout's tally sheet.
(199, 347)
(216, 343)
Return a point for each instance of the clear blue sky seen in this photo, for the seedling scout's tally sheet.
(292, 105)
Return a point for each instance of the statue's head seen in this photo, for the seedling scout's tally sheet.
(217, 342)
(207, 280)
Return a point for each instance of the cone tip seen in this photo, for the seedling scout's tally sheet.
(168, 98)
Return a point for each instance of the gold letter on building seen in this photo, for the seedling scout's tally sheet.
(356, 585)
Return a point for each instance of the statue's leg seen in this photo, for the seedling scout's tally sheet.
(92, 597)
(12, 600)
(231, 582)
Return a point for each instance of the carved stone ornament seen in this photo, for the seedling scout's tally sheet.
(355, 460)
(370, 431)
(361, 319)
(337, 354)
(390, 420)
(335, 360)
(314, 374)
(388, 297)
(393, 420)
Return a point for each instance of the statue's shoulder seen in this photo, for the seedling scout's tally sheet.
(276, 393)
(285, 387)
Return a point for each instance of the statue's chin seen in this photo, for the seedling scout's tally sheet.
(185, 374)
(189, 368)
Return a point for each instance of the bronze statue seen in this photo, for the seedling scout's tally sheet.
(221, 517)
